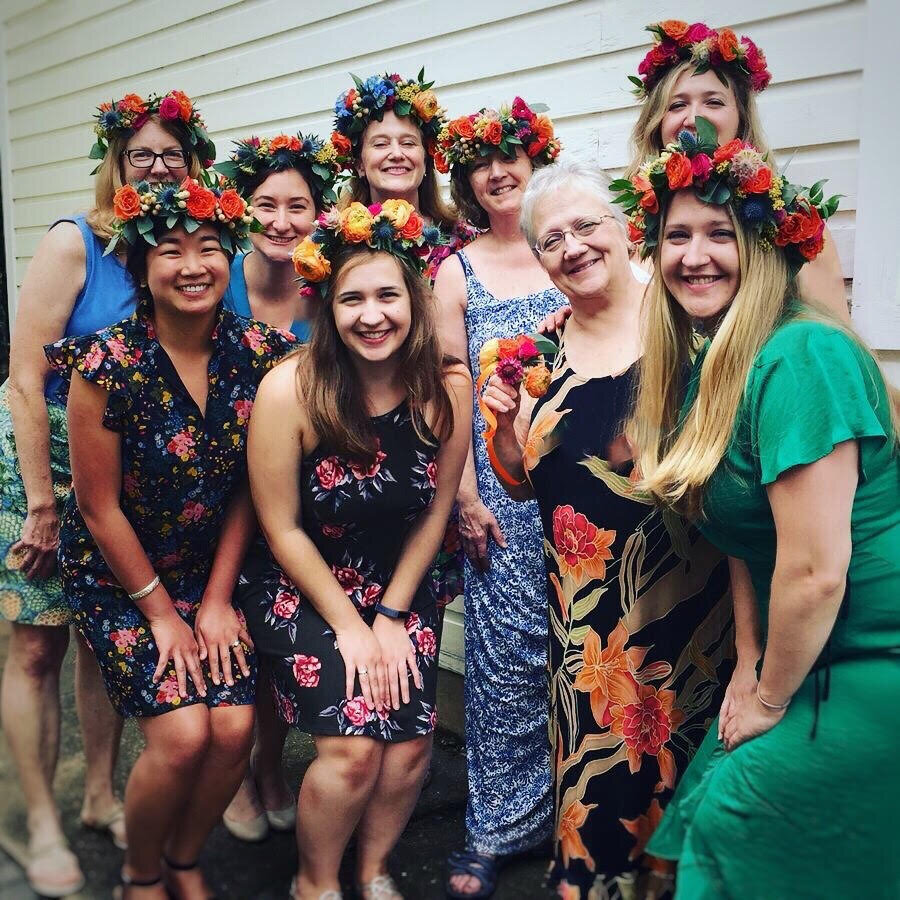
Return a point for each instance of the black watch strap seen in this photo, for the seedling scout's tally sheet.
(391, 613)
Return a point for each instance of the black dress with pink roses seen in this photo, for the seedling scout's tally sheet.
(358, 514)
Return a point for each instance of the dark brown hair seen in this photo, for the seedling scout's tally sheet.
(330, 386)
(247, 184)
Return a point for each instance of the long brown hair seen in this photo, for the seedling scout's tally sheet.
(330, 386)
(646, 137)
(110, 175)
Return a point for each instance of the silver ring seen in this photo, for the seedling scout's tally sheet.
(363, 673)
(236, 642)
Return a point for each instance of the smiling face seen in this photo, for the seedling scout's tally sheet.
(698, 256)
(372, 307)
(585, 266)
(499, 182)
(392, 157)
(700, 95)
(187, 273)
(284, 205)
(154, 138)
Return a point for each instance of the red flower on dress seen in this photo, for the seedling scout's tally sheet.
(356, 712)
(348, 578)
(330, 472)
(645, 718)
(369, 469)
(426, 642)
(333, 531)
(306, 670)
(582, 547)
(286, 603)
(371, 594)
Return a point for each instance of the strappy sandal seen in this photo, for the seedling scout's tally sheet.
(104, 825)
(118, 891)
(54, 855)
(480, 866)
(381, 887)
(325, 895)
(183, 867)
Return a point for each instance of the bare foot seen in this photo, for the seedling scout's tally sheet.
(187, 884)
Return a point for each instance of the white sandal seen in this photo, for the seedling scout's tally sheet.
(381, 887)
(325, 895)
(57, 854)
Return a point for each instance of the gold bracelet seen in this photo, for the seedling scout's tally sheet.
(144, 591)
(775, 707)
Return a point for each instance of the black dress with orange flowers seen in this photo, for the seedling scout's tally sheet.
(358, 514)
(641, 638)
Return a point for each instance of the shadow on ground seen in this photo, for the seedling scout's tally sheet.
(239, 871)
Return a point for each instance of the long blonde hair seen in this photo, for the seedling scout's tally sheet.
(677, 459)
(646, 138)
(110, 174)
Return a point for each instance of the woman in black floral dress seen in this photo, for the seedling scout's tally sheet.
(158, 411)
(355, 453)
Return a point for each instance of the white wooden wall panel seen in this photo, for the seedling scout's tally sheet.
(267, 65)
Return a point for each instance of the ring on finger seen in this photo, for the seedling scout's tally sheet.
(363, 673)
(236, 642)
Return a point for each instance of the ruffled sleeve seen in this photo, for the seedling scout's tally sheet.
(811, 388)
(104, 358)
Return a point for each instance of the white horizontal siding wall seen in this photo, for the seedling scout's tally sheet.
(266, 66)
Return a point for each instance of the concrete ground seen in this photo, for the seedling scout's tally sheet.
(239, 871)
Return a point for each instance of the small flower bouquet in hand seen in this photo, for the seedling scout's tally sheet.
(514, 361)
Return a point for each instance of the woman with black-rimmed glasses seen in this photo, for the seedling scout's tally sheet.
(70, 288)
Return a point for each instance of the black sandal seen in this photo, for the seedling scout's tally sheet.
(480, 866)
(127, 881)
(184, 867)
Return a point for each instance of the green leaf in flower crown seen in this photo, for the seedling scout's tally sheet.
(357, 82)
(144, 224)
(229, 168)
(225, 241)
(544, 345)
(620, 184)
(636, 82)
(98, 151)
(707, 138)
(421, 76)
(402, 108)
(829, 207)
(172, 220)
(190, 224)
(320, 170)
(815, 192)
(150, 238)
(788, 193)
(111, 245)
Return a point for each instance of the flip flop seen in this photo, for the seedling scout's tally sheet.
(104, 825)
(480, 866)
(54, 856)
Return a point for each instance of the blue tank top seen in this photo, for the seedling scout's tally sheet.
(237, 299)
(108, 296)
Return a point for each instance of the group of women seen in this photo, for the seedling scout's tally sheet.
(684, 505)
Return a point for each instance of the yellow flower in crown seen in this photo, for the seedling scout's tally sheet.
(356, 223)
(309, 261)
(397, 211)
(425, 104)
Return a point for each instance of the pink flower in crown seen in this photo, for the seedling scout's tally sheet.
(357, 712)
(426, 642)
(701, 166)
(413, 622)
(521, 110)
(375, 208)
(698, 32)
(243, 409)
(306, 670)
(371, 594)
(286, 603)
(169, 109)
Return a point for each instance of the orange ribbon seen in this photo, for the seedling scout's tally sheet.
(491, 430)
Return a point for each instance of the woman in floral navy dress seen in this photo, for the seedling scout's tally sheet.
(158, 410)
(355, 457)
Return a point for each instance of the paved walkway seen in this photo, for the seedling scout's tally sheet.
(240, 871)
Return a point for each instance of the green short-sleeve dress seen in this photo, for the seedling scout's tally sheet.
(811, 809)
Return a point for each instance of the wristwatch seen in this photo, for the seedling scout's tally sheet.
(391, 613)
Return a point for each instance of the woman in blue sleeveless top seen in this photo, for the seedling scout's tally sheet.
(288, 179)
(70, 288)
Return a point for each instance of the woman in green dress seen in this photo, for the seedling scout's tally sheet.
(785, 449)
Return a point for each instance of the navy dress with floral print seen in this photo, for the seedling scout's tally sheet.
(180, 470)
(358, 514)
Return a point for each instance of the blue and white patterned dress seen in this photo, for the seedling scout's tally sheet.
(506, 700)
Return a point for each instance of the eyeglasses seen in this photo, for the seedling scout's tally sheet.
(553, 241)
(145, 159)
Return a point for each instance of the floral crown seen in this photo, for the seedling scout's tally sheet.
(372, 98)
(130, 114)
(322, 159)
(464, 139)
(393, 226)
(778, 212)
(145, 210)
(707, 48)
